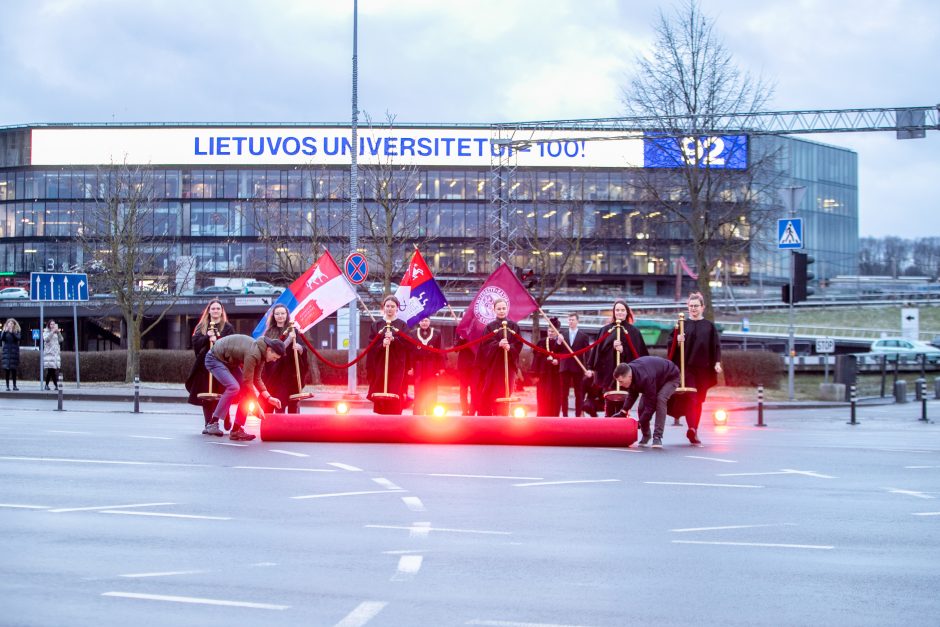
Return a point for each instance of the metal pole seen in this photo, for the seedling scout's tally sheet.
(78, 376)
(136, 394)
(42, 341)
(760, 406)
(853, 398)
(884, 373)
(791, 350)
(354, 201)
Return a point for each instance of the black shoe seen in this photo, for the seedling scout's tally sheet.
(645, 441)
(657, 442)
(213, 429)
(16, 389)
(47, 386)
(241, 435)
(693, 438)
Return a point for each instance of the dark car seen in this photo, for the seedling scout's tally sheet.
(217, 290)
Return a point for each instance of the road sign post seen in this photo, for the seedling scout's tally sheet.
(825, 347)
(790, 237)
(69, 287)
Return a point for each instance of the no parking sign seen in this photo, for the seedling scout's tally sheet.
(356, 268)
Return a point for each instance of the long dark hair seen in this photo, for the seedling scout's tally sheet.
(620, 301)
(272, 324)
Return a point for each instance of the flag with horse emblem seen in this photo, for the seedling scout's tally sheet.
(419, 294)
(319, 291)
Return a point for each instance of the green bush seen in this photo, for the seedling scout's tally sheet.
(752, 368)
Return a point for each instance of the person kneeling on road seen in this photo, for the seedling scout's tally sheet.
(656, 379)
(226, 361)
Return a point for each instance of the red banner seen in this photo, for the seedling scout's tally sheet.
(503, 283)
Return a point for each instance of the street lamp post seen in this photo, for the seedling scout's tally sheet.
(354, 203)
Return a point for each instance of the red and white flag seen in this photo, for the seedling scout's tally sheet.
(319, 291)
(503, 283)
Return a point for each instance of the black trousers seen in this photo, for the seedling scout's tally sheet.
(571, 380)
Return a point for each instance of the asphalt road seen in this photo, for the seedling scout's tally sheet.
(114, 518)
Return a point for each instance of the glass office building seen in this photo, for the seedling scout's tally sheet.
(211, 184)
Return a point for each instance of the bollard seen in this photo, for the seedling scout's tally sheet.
(60, 392)
(136, 394)
(853, 398)
(919, 388)
(760, 406)
(900, 391)
(922, 385)
(936, 388)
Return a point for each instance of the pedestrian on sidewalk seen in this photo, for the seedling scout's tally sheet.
(52, 353)
(237, 362)
(10, 340)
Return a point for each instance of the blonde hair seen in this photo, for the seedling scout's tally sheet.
(203, 325)
(16, 325)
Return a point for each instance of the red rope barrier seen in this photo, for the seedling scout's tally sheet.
(445, 351)
(335, 365)
(538, 348)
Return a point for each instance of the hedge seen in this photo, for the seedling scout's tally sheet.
(741, 368)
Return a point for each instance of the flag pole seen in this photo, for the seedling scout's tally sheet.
(364, 306)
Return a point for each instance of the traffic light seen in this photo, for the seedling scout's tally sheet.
(802, 276)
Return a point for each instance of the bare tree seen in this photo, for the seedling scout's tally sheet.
(389, 218)
(130, 243)
(688, 79)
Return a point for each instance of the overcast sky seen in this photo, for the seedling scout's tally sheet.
(469, 61)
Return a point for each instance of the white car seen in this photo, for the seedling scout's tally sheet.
(14, 293)
(262, 288)
(907, 350)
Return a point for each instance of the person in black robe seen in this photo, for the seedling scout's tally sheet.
(399, 354)
(212, 325)
(604, 356)
(702, 361)
(427, 366)
(280, 376)
(546, 369)
(497, 349)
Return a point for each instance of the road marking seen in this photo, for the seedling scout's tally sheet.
(914, 493)
(707, 485)
(18, 506)
(713, 459)
(507, 623)
(425, 528)
(281, 468)
(731, 527)
(88, 509)
(403, 552)
(444, 474)
(414, 503)
(69, 432)
(419, 530)
(345, 467)
(922, 466)
(69, 460)
(196, 600)
(926, 514)
(408, 567)
(150, 437)
(622, 450)
(363, 613)
(224, 443)
(783, 471)
(525, 485)
(291, 453)
(763, 544)
(385, 483)
(169, 573)
(324, 496)
(161, 515)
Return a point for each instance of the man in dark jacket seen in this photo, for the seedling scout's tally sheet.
(571, 370)
(656, 379)
(229, 358)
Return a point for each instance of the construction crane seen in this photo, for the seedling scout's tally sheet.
(907, 122)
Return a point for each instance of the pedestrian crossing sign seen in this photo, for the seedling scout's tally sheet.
(790, 234)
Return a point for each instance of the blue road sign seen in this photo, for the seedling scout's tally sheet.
(356, 267)
(58, 286)
(790, 234)
(35, 335)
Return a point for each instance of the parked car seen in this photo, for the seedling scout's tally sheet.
(935, 341)
(217, 290)
(14, 293)
(377, 288)
(262, 288)
(907, 350)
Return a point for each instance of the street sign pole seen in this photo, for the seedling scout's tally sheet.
(42, 340)
(78, 376)
(791, 197)
(351, 390)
